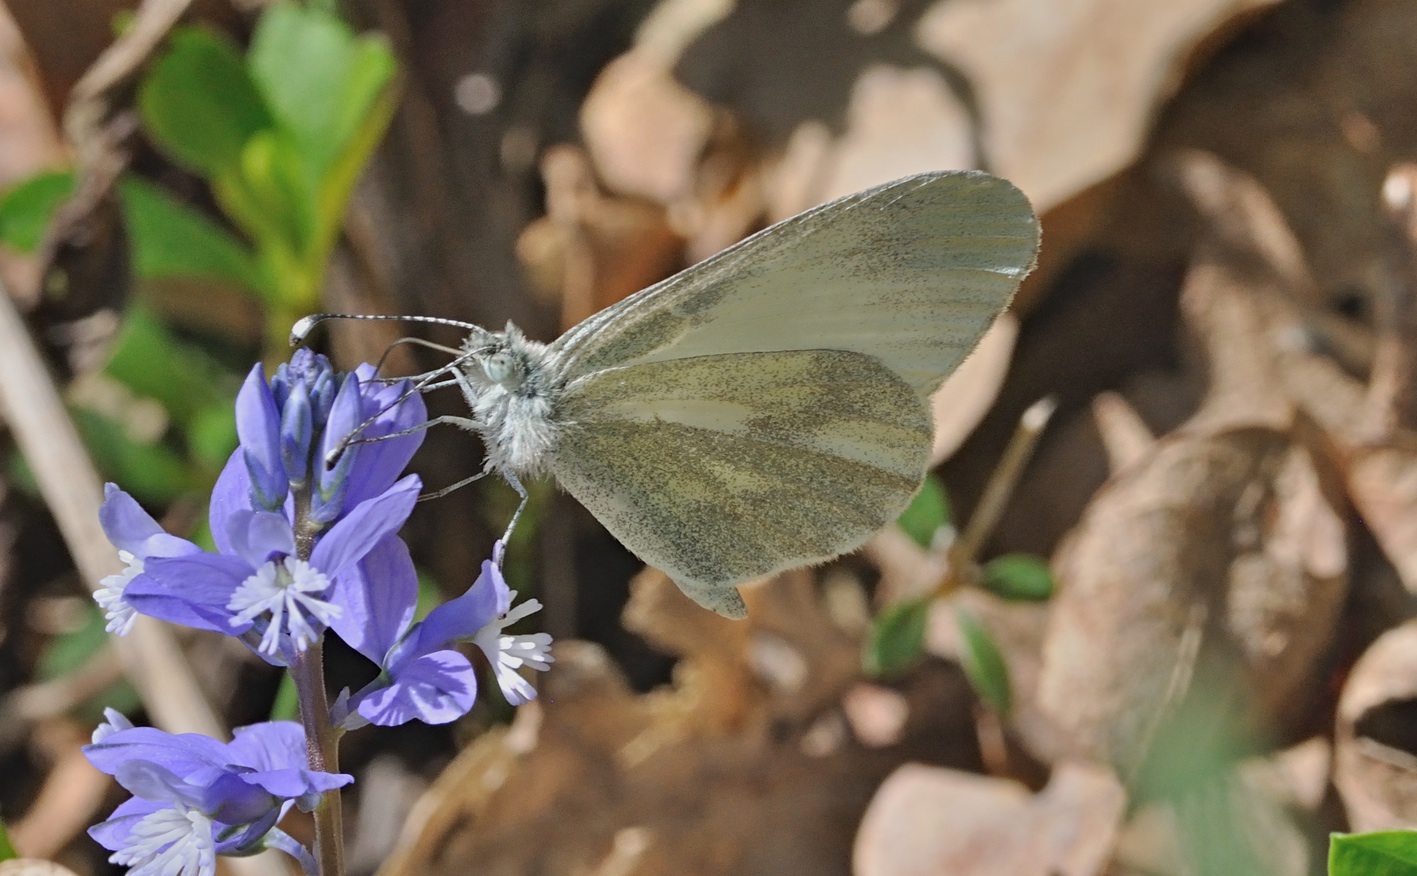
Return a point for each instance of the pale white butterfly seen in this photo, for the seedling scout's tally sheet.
(768, 407)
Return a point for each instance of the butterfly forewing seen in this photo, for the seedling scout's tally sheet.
(721, 469)
(911, 273)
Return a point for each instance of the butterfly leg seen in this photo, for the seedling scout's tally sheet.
(515, 484)
(438, 494)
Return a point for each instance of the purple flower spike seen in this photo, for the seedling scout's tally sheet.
(258, 426)
(196, 798)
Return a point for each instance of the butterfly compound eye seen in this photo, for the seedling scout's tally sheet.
(499, 367)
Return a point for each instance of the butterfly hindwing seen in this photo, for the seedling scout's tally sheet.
(721, 469)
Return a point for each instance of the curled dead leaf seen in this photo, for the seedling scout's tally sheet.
(1375, 767)
(1212, 572)
(926, 821)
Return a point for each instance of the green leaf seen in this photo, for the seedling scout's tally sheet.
(1020, 577)
(7, 848)
(70, 651)
(27, 208)
(927, 512)
(320, 80)
(1385, 853)
(173, 240)
(183, 378)
(287, 703)
(270, 199)
(152, 472)
(199, 104)
(211, 433)
(983, 664)
(897, 638)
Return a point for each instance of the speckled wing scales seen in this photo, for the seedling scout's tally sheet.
(911, 272)
(721, 469)
(768, 407)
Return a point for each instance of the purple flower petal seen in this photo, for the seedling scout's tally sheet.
(272, 745)
(113, 833)
(381, 462)
(332, 481)
(256, 536)
(297, 428)
(230, 495)
(487, 599)
(362, 528)
(249, 839)
(181, 752)
(378, 595)
(192, 591)
(435, 689)
(258, 427)
(132, 529)
(153, 781)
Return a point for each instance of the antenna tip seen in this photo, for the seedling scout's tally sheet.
(301, 329)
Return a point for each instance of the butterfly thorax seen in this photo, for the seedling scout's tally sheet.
(509, 384)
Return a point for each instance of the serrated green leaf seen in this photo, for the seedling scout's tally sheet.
(199, 104)
(1384, 853)
(983, 664)
(897, 638)
(1020, 577)
(173, 240)
(27, 208)
(927, 512)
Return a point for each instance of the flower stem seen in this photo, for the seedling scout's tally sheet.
(321, 738)
(322, 750)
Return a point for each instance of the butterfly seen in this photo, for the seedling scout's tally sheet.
(768, 407)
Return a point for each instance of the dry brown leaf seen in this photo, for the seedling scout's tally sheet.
(1068, 90)
(645, 131)
(590, 250)
(967, 394)
(747, 765)
(1220, 557)
(1375, 767)
(925, 821)
(70, 799)
(1124, 433)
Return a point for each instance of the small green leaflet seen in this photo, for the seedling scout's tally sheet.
(1385, 853)
(897, 638)
(983, 664)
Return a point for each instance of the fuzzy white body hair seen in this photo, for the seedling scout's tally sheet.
(510, 384)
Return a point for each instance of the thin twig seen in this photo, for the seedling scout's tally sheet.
(1394, 375)
(70, 485)
(965, 549)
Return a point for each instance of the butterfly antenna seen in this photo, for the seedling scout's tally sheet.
(306, 324)
(423, 382)
(384, 357)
